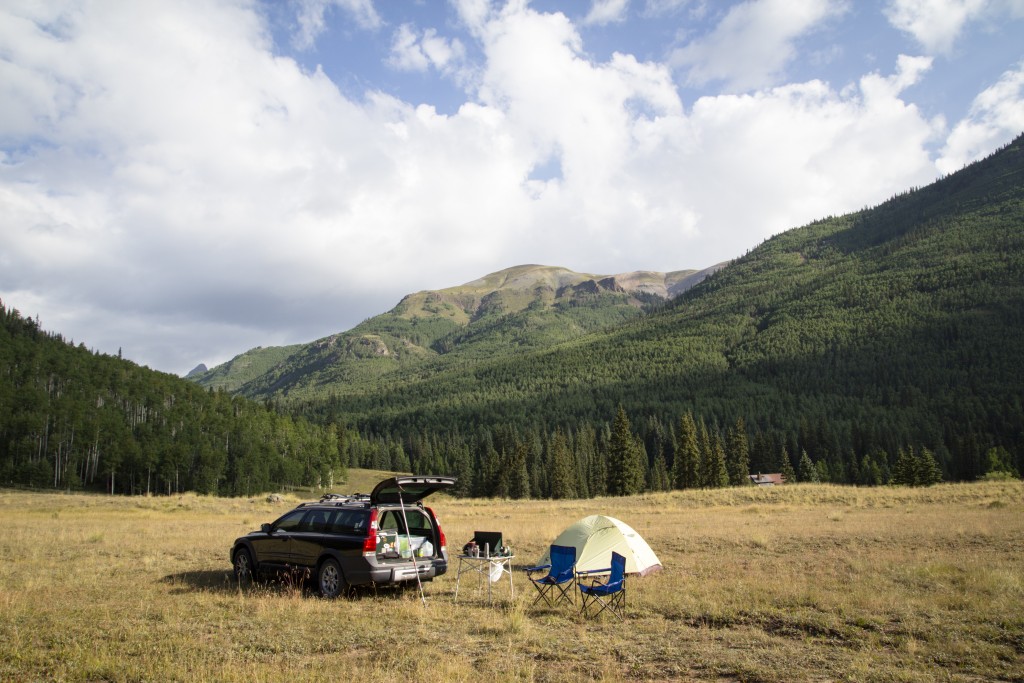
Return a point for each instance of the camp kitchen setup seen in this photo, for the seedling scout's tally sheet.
(591, 558)
(487, 556)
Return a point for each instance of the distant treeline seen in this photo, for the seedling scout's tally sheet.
(619, 458)
(73, 419)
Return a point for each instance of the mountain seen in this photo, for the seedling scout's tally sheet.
(843, 343)
(197, 370)
(519, 308)
(899, 326)
(230, 376)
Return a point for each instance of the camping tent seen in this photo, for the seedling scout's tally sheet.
(596, 536)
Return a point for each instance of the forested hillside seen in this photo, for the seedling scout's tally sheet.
(73, 419)
(837, 346)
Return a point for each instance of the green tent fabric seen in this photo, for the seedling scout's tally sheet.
(597, 536)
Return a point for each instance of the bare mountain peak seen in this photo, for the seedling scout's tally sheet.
(531, 276)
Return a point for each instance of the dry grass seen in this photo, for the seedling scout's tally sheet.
(792, 583)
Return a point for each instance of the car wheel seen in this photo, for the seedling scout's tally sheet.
(243, 568)
(330, 580)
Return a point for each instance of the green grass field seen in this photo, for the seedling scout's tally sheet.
(805, 582)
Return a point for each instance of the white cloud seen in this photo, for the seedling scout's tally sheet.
(650, 180)
(475, 13)
(607, 12)
(411, 51)
(996, 116)
(406, 52)
(799, 152)
(936, 24)
(753, 43)
(661, 7)
(310, 16)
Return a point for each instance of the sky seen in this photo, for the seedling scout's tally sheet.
(183, 181)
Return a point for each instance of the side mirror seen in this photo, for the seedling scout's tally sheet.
(265, 528)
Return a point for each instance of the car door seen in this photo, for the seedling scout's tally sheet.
(308, 537)
(274, 546)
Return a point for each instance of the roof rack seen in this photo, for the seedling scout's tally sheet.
(345, 498)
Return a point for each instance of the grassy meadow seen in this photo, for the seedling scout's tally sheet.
(803, 582)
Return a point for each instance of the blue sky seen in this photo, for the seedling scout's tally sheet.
(187, 180)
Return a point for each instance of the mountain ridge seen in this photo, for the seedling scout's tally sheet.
(526, 290)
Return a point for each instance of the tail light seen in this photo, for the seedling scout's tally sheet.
(370, 542)
(440, 532)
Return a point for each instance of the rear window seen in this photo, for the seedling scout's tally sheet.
(391, 520)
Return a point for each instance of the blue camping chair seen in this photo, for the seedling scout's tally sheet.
(555, 586)
(611, 595)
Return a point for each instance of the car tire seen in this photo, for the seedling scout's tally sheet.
(329, 579)
(243, 569)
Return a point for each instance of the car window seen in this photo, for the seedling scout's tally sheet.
(417, 520)
(348, 521)
(390, 521)
(290, 521)
(315, 521)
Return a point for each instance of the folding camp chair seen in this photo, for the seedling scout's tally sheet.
(557, 584)
(611, 595)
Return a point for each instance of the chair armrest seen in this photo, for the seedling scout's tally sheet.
(588, 572)
(539, 567)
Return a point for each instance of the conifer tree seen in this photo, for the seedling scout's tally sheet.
(684, 468)
(786, 467)
(824, 472)
(582, 454)
(713, 473)
(904, 471)
(485, 482)
(705, 478)
(399, 459)
(806, 471)
(718, 475)
(870, 473)
(626, 462)
(737, 454)
(460, 464)
(563, 479)
(598, 475)
(636, 480)
(504, 475)
(659, 477)
(599, 462)
(926, 469)
(513, 478)
(537, 465)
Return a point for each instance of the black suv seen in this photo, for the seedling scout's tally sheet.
(386, 537)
